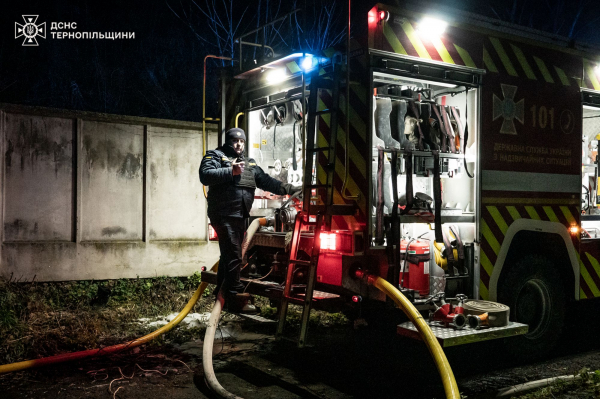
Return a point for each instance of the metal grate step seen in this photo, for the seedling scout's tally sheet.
(448, 336)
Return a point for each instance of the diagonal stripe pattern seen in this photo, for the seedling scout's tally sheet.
(496, 218)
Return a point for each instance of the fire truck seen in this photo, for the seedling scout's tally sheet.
(447, 153)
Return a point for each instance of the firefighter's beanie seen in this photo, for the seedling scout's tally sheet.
(235, 133)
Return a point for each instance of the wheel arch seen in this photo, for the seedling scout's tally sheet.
(550, 239)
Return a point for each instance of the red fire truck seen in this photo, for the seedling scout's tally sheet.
(444, 152)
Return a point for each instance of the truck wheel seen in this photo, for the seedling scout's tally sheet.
(534, 292)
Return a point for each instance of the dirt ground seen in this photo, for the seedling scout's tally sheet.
(340, 363)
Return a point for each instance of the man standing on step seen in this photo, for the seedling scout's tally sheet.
(231, 181)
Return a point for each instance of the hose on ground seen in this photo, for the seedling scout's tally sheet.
(67, 357)
(213, 322)
(439, 357)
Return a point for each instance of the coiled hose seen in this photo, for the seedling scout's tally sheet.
(67, 357)
(213, 322)
(439, 357)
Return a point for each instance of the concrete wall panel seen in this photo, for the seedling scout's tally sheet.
(96, 196)
(38, 193)
(177, 203)
(112, 181)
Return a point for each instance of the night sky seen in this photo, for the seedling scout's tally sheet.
(159, 73)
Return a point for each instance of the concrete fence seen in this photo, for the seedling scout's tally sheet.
(97, 196)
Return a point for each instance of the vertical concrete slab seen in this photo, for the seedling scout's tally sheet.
(177, 204)
(111, 182)
(38, 186)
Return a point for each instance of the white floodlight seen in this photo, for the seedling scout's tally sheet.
(431, 28)
(276, 75)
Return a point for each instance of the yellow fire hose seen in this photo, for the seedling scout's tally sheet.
(439, 357)
(27, 364)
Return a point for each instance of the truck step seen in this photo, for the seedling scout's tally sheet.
(448, 336)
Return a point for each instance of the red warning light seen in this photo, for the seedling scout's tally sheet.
(203, 269)
(372, 17)
(383, 15)
(356, 298)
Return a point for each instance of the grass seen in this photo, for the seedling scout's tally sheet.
(585, 385)
(45, 319)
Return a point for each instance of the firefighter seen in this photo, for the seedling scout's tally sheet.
(232, 179)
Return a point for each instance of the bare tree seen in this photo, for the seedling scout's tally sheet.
(568, 18)
(220, 20)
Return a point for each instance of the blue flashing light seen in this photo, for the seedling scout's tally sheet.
(307, 63)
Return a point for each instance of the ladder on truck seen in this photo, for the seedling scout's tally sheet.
(313, 214)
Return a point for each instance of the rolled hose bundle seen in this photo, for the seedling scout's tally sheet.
(492, 314)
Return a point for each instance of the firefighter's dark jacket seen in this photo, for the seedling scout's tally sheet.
(230, 195)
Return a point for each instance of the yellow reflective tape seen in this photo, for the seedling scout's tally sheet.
(537, 201)
(591, 74)
(588, 279)
(414, 39)
(466, 57)
(532, 213)
(351, 185)
(208, 157)
(293, 66)
(354, 155)
(498, 218)
(485, 262)
(355, 119)
(489, 63)
(565, 210)
(251, 163)
(503, 57)
(550, 213)
(321, 106)
(582, 294)
(321, 141)
(523, 61)
(442, 50)
(393, 40)
(224, 159)
(543, 69)
(489, 237)
(483, 291)
(513, 212)
(562, 76)
(361, 92)
(594, 263)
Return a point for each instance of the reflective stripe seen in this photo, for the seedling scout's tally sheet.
(543, 69)
(441, 49)
(503, 57)
(523, 61)
(495, 180)
(393, 40)
(414, 39)
(466, 57)
(562, 75)
(489, 63)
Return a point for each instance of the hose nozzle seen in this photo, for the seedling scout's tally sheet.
(476, 322)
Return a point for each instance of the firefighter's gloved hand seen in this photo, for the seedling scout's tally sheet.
(287, 188)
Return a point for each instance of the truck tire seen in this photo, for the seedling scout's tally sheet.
(534, 292)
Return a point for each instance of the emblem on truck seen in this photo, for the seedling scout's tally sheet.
(509, 109)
